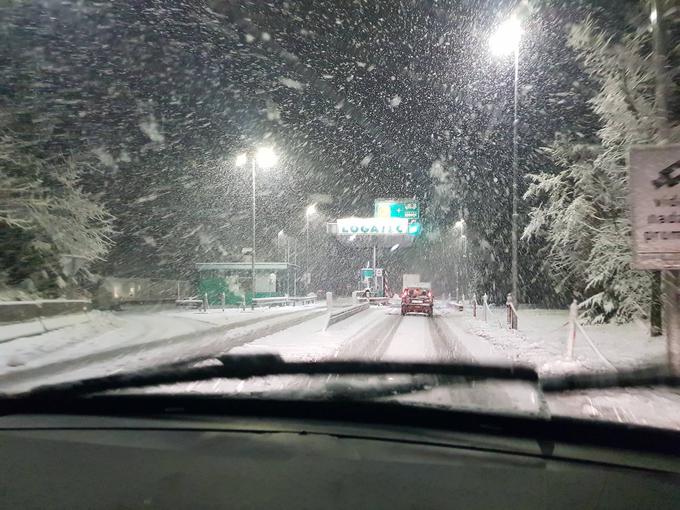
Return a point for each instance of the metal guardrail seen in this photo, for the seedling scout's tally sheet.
(458, 305)
(189, 303)
(302, 299)
(344, 313)
(374, 299)
(16, 311)
(19, 319)
(195, 302)
(271, 301)
(283, 300)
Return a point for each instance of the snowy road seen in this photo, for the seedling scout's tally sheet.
(379, 333)
(384, 334)
(376, 334)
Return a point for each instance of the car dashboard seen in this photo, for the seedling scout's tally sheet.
(172, 459)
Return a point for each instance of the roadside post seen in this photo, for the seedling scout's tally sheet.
(508, 310)
(205, 301)
(474, 305)
(512, 313)
(485, 299)
(571, 335)
(223, 299)
(329, 306)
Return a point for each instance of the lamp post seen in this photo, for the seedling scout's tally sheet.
(310, 211)
(506, 40)
(286, 256)
(264, 157)
(461, 281)
(295, 257)
(279, 236)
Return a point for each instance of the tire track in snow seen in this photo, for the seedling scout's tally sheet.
(371, 343)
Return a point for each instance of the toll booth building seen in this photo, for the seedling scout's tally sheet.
(235, 280)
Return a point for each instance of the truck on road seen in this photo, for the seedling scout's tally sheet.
(413, 280)
(410, 280)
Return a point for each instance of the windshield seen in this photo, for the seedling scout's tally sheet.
(488, 182)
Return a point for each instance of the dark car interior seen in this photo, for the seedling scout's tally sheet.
(212, 452)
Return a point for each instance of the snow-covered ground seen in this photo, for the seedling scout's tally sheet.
(541, 342)
(41, 325)
(378, 333)
(101, 332)
(140, 339)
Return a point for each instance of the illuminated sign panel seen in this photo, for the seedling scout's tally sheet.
(409, 209)
(372, 226)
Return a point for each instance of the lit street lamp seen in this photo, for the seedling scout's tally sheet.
(264, 157)
(506, 40)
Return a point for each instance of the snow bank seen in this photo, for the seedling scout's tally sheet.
(541, 342)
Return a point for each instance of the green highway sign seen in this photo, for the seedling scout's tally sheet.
(409, 209)
(366, 273)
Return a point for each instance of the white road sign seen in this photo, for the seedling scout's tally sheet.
(655, 202)
(372, 226)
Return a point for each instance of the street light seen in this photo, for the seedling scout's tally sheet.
(279, 236)
(282, 235)
(506, 40)
(264, 157)
(310, 211)
(459, 227)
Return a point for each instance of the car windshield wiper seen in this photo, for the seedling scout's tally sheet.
(260, 365)
(654, 375)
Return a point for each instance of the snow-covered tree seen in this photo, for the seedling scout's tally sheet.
(582, 210)
(71, 220)
(44, 213)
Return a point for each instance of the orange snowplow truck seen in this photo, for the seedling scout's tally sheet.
(417, 300)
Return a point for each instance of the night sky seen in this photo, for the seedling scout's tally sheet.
(361, 99)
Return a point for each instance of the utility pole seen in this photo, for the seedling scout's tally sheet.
(375, 267)
(515, 218)
(295, 250)
(661, 114)
(508, 37)
(252, 264)
(307, 274)
(287, 266)
(670, 278)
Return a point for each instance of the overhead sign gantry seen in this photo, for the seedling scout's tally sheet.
(396, 222)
